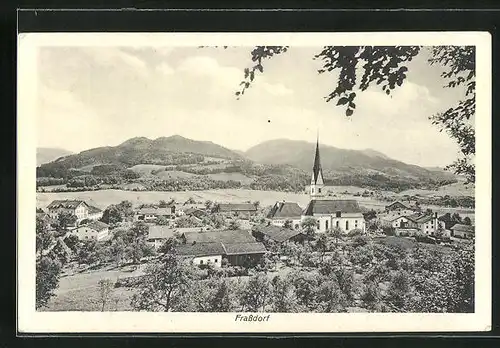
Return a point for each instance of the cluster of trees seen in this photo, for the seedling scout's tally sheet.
(203, 170)
(189, 184)
(276, 182)
(117, 213)
(126, 245)
(362, 274)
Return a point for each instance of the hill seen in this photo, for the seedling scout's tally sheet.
(342, 163)
(173, 150)
(49, 154)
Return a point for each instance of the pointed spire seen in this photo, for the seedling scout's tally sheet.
(317, 162)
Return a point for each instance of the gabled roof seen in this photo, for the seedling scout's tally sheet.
(66, 204)
(155, 211)
(285, 210)
(160, 232)
(237, 207)
(398, 202)
(94, 210)
(244, 248)
(463, 228)
(228, 236)
(278, 234)
(96, 225)
(420, 218)
(200, 249)
(392, 217)
(331, 206)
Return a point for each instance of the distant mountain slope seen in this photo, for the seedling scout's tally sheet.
(300, 154)
(162, 151)
(49, 154)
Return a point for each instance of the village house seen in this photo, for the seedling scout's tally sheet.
(243, 254)
(343, 214)
(394, 221)
(158, 234)
(78, 208)
(152, 214)
(202, 253)
(463, 231)
(240, 248)
(94, 230)
(196, 213)
(282, 212)
(400, 208)
(181, 209)
(426, 223)
(277, 234)
(241, 210)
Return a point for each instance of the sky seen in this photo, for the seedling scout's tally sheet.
(101, 96)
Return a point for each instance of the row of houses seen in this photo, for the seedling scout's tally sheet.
(408, 220)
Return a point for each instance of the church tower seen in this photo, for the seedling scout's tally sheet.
(316, 188)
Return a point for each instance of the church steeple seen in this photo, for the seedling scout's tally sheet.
(317, 175)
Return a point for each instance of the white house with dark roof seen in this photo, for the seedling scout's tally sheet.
(152, 214)
(282, 212)
(330, 213)
(94, 230)
(78, 208)
(202, 253)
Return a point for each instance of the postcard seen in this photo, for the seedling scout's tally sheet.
(208, 183)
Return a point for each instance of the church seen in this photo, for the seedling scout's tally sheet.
(330, 213)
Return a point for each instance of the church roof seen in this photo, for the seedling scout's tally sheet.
(317, 165)
(331, 206)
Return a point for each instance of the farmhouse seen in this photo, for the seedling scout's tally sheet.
(95, 230)
(202, 253)
(241, 254)
(152, 214)
(226, 237)
(400, 208)
(158, 234)
(277, 234)
(282, 212)
(244, 210)
(463, 231)
(394, 220)
(78, 208)
(426, 223)
(196, 213)
(344, 214)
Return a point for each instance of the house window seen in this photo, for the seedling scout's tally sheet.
(319, 190)
(201, 262)
(356, 224)
(347, 225)
(215, 260)
(337, 223)
(337, 214)
(312, 189)
(326, 224)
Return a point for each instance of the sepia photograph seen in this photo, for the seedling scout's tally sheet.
(330, 179)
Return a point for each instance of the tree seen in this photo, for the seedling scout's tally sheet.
(105, 288)
(322, 245)
(288, 224)
(162, 204)
(190, 200)
(360, 67)
(66, 219)
(72, 242)
(256, 294)
(284, 297)
(467, 221)
(309, 225)
(256, 204)
(208, 204)
(337, 234)
(234, 225)
(164, 284)
(44, 237)
(48, 270)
